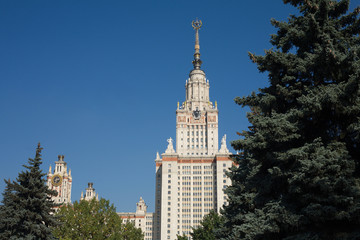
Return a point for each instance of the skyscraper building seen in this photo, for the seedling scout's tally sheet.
(191, 178)
(61, 181)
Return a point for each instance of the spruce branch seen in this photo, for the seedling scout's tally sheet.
(252, 57)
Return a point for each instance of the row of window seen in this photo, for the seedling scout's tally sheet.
(196, 183)
(197, 147)
(195, 210)
(196, 172)
(195, 189)
(185, 167)
(197, 139)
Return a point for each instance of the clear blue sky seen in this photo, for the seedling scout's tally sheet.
(99, 82)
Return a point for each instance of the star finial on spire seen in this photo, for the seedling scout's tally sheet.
(196, 24)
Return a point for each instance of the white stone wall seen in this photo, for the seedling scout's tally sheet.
(190, 188)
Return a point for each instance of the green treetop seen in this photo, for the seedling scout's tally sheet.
(27, 211)
(298, 174)
(94, 220)
(206, 229)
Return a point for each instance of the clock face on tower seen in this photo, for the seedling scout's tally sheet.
(197, 114)
(56, 180)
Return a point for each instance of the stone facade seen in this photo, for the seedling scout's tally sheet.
(61, 181)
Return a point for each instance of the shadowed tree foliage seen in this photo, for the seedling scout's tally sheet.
(183, 237)
(27, 207)
(207, 226)
(94, 220)
(298, 174)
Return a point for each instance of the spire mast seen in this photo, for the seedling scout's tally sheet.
(197, 62)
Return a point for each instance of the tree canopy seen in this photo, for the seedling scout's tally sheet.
(298, 174)
(27, 211)
(93, 220)
(206, 229)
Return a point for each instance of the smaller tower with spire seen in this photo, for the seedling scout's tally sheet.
(60, 179)
(90, 193)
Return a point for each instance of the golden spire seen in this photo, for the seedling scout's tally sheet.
(197, 62)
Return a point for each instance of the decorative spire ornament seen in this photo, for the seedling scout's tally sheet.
(197, 62)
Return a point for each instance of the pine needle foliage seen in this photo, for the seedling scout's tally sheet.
(298, 174)
(27, 210)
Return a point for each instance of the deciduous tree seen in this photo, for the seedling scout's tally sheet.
(207, 226)
(94, 220)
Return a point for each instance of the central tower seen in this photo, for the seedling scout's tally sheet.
(190, 179)
(197, 117)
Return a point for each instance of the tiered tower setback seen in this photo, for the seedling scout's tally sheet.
(197, 117)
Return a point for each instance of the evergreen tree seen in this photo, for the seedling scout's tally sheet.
(298, 174)
(7, 212)
(27, 206)
(207, 227)
(94, 220)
